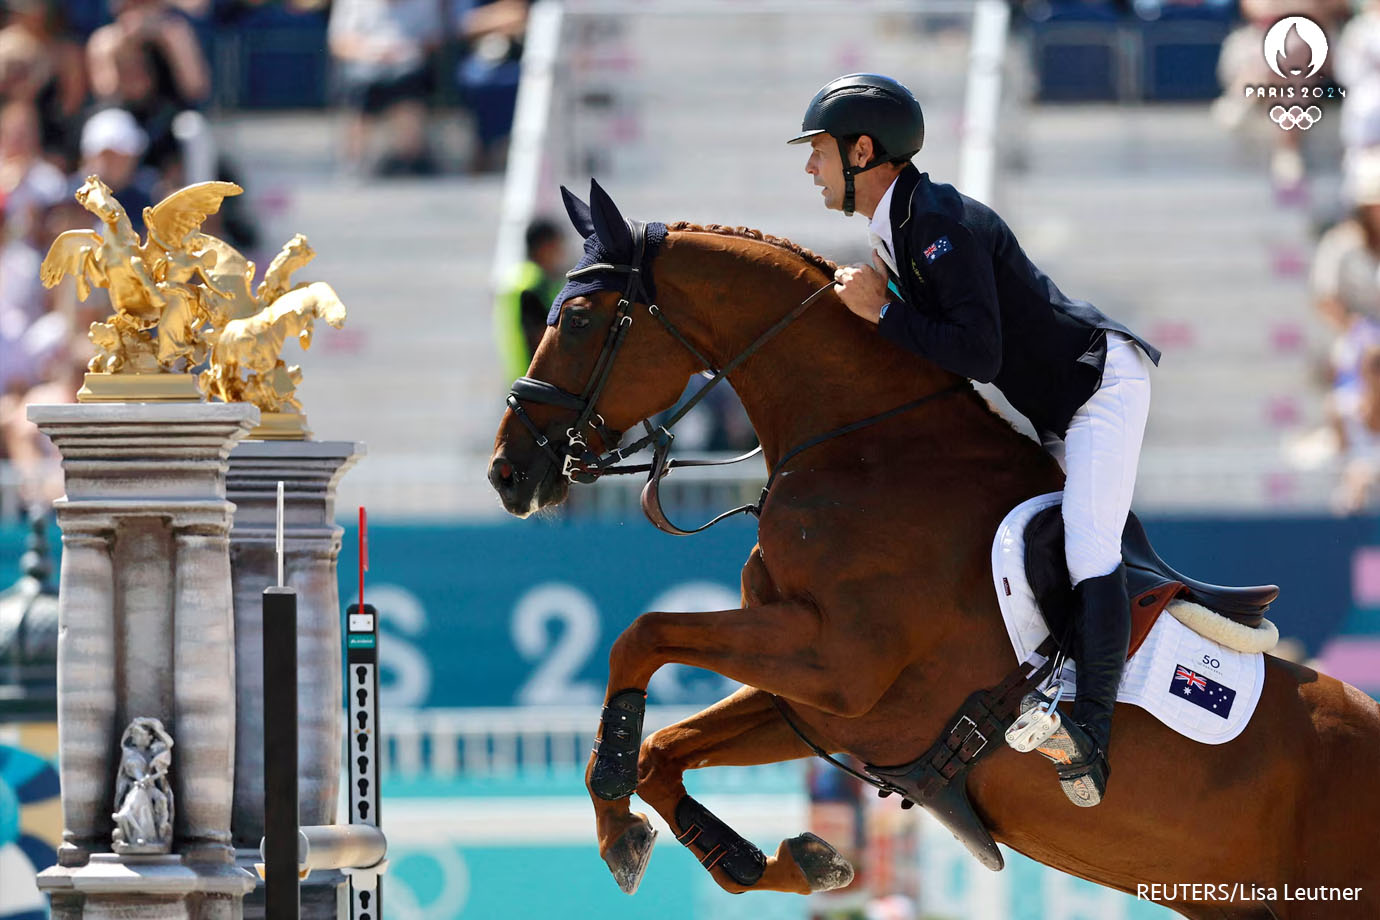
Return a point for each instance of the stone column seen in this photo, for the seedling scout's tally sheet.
(310, 471)
(146, 621)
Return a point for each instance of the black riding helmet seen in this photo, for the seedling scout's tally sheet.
(871, 104)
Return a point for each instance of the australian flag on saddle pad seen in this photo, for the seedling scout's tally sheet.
(1202, 691)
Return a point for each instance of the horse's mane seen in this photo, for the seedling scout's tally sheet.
(747, 233)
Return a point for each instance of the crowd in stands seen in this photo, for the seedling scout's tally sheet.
(124, 89)
(1345, 274)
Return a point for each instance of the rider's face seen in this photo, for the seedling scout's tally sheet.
(827, 169)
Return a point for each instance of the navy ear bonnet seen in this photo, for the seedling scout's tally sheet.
(608, 239)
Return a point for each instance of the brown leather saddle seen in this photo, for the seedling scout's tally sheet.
(1151, 582)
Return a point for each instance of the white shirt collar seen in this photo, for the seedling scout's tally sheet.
(881, 222)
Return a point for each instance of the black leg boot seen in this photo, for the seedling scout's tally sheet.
(1078, 746)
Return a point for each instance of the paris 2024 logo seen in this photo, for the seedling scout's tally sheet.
(1295, 49)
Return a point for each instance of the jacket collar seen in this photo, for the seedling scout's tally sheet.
(902, 194)
(903, 190)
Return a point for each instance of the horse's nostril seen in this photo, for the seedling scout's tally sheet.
(502, 474)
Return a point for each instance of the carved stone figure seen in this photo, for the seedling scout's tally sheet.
(143, 794)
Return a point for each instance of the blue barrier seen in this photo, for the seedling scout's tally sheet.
(524, 612)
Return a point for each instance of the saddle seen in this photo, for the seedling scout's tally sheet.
(1150, 581)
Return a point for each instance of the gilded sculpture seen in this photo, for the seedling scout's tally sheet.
(184, 300)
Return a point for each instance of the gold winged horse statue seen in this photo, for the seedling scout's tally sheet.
(149, 282)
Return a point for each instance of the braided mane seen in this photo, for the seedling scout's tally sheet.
(747, 233)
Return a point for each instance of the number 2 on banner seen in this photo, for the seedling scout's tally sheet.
(553, 680)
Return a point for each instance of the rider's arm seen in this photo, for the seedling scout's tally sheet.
(959, 327)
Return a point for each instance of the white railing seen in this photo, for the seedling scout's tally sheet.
(498, 742)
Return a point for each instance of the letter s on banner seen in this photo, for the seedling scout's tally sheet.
(404, 672)
(553, 680)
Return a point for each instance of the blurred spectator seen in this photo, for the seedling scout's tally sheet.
(489, 71)
(521, 309)
(1242, 64)
(1356, 62)
(41, 65)
(30, 183)
(1357, 424)
(149, 63)
(382, 49)
(1346, 273)
(112, 144)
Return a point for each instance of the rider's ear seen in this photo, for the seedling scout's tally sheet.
(579, 213)
(609, 224)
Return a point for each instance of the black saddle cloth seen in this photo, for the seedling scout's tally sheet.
(1147, 575)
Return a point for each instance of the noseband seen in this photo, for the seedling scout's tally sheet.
(579, 463)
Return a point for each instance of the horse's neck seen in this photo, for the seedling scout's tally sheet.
(289, 319)
(825, 370)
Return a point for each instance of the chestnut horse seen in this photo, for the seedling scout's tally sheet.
(868, 605)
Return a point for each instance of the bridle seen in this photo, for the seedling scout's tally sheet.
(579, 463)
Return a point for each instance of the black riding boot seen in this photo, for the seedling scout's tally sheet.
(1104, 632)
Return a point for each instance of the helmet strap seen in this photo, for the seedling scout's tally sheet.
(849, 172)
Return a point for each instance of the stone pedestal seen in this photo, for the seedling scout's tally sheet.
(146, 629)
(309, 471)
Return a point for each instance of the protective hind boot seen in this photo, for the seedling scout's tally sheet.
(1103, 618)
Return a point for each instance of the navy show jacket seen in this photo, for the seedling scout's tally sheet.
(975, 304)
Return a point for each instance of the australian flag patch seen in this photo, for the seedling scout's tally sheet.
(937, 248)
(1202, 691)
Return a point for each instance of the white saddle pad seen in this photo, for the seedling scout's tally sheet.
(1200, 688)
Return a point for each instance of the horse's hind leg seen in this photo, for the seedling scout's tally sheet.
(743, 730)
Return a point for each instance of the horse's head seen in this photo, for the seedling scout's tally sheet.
(329, 307)
(96, 197)
(592, 336)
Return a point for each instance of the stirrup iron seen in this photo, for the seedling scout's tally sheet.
(1039, 719)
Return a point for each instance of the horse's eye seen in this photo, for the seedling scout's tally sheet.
(579, 320)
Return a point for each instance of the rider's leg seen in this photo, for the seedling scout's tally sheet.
(1102, 451)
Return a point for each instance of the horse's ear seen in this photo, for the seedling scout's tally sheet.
(579, 213)
(609, 224)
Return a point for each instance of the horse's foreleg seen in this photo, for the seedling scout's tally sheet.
(743, 730)
(782, 648)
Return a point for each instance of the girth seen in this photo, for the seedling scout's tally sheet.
(938, 779)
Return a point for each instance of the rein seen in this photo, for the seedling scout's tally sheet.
(579, 463)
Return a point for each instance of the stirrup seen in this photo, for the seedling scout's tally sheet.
(1038, 720)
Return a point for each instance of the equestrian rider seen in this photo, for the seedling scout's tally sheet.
(950, 282)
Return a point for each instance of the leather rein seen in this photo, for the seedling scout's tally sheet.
(579, 463)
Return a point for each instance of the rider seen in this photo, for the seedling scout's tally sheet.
(950, 282)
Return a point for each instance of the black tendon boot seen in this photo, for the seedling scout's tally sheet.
(1079, 746)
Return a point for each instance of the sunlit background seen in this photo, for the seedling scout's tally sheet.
(420, 145)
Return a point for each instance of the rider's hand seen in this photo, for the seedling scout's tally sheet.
(862, 288)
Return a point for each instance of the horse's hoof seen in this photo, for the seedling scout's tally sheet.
(627, 858)
(823, 867)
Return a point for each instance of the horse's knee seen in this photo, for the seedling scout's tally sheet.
(658, 767)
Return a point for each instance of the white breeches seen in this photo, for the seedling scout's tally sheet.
(1100, 453)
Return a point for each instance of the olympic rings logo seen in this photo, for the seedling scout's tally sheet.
(1296, 117)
